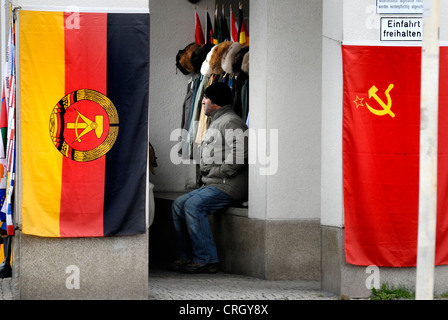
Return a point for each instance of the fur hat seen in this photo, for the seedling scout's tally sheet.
(183, 58)
(245, 63)
(238, 60)
(216, 59)
(219, 93)
(178, 65)
(206, 70)
(228, 57)
(199, 54)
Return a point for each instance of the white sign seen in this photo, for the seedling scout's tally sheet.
(401, 29)
(399, 6)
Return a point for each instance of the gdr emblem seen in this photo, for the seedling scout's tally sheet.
(84, 125)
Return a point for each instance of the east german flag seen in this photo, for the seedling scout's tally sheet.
(381, 138)
(84, 88)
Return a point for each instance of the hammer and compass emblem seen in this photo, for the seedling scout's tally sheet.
(88, 125)
(386, 107)
(87, 132)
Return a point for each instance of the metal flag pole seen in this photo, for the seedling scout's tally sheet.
(427, 211)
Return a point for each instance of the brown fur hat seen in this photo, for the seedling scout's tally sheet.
(228, 57)
(245, 63)
(238, 60)
(199, 55)
(216, 59)
(185, 59)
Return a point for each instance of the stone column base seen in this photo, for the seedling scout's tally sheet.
(342, 278)
(81, 268)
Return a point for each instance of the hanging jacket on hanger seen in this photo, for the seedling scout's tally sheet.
(188, 114)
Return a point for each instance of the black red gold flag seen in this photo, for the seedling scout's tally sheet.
(209, 36)
(84, 88)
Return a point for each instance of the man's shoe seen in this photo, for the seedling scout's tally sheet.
(194, 267)
(178, 264)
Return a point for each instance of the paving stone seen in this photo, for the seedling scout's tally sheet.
(166, 285)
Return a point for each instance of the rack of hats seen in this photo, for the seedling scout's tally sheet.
(219, 56)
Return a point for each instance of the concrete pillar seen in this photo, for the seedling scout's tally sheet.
(285, 102)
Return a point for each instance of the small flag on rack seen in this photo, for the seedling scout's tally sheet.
(225, 34)
(198, 32)
(209, 30)
(233, 27)
(243, 33)
(217, 28)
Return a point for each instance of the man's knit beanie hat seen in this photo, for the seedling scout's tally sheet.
(219, 93)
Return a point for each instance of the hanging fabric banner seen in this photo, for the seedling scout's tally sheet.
(84, 89)
(7, 134)
(381, 130)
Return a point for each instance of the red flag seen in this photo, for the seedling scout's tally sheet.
(381, 127)
(233, 27)
(198, 33)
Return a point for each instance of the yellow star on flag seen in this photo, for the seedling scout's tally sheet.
(358, 101)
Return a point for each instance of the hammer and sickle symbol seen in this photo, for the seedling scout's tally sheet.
(386, 107)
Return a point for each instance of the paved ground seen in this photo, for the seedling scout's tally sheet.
(166, 285)
(6, 290)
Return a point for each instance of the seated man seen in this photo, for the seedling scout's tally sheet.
(224, 175)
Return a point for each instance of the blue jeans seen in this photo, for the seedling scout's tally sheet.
(194, 237)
